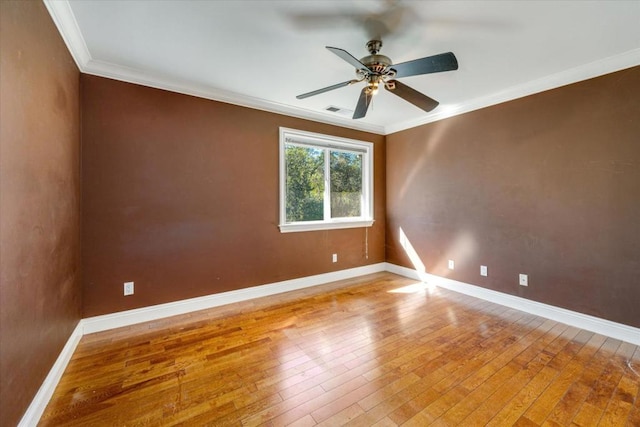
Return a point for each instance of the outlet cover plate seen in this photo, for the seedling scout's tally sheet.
(451, 264)
(128, 288)
(524, 280)
(483, 270)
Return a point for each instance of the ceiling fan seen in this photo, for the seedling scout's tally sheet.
(376, 70)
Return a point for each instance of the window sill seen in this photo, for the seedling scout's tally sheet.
(315, 226)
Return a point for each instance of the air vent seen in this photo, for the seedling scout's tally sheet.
(341, 111)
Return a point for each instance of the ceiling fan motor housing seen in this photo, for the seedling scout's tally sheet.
(377, 63)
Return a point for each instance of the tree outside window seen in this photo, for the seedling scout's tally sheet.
(326, 182)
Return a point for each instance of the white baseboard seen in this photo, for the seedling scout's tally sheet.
(131, 317)
(41, 400)
(572, 318)
(154, 312)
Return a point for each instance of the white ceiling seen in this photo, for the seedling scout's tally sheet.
(262, 53)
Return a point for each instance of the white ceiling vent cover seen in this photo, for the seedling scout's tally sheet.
(341, 111)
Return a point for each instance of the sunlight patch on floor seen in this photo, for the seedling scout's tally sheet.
(414, 288)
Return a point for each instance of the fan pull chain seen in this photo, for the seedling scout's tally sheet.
(366, 243)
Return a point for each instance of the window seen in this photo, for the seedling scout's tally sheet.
(325, 182)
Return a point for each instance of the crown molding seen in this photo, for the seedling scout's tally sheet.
(65, 21)
(598, 68)
(131, 75)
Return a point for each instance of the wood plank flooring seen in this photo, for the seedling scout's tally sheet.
(380, 350)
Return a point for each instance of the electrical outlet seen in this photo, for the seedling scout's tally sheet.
(128, 288)
(452, 264)
(524, 280)
(335, 258)
(483, 270)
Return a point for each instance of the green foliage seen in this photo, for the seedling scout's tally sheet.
(346, 184)
(305, 183)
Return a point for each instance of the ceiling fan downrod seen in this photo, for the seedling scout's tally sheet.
(374, 46)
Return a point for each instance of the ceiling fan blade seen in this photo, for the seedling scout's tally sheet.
(349, 58)
(411, 95)
(394, 17)
(326, 89)
(363, 104)
(430, 64)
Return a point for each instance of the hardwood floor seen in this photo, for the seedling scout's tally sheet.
(374, 351)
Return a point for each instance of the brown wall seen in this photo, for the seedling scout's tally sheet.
(180, 195)
(547, 185)
(40, 292)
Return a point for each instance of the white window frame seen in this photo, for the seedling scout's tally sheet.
(293, 136)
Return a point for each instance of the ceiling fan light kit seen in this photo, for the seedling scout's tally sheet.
(376, 70)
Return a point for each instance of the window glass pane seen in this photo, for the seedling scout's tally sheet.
(346, 184)
(305, 183)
